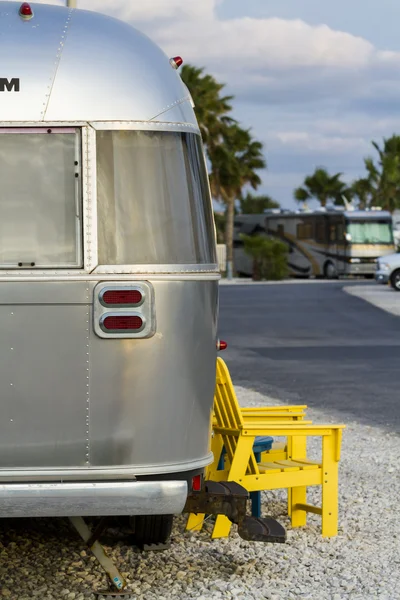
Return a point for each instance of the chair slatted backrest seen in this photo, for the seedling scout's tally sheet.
(228, 414)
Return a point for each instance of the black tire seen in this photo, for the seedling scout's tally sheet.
(330, 271)
(395, 280)
(152, 529)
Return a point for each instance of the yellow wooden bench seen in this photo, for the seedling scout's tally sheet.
(289, 470)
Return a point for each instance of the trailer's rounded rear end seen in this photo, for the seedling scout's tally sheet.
(108, 272)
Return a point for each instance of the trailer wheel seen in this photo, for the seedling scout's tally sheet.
(330, 271)
(395, 280)
(151, 529)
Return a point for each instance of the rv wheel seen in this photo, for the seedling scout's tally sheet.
(151, 529)
(395, 280)
(330, 271)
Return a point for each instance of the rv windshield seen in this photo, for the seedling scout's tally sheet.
(39, 198)
(369, 232)
(154, 204)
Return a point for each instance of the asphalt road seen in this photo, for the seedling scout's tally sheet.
(314, 344)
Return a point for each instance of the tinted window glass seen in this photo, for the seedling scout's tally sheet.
(154, 205)
(304, 231)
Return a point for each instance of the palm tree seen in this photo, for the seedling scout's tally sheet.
(219, 219)
(363, 190)
(234, 155)
(269, 256)
(321, 186)
(235, 163)
(251, 204)
(210, 107)
(384, 177)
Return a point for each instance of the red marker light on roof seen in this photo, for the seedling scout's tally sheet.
(25, 11)
(176, 62)
(221, 345)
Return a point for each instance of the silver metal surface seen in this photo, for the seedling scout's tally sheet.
(30, 292)
(77, 276)
(89, 197)
(72, 399)
(92, 499)
(101, 474)
(151, 399)
(44, 382)
(85, 67)
(144, 126)
(154, 269)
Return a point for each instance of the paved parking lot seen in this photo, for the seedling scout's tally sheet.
(314, 343)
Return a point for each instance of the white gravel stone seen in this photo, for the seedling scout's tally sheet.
(361, 563)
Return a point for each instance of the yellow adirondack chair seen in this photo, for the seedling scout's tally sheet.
(293, 472)
(281, 413)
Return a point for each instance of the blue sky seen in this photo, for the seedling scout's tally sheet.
(315, 80)
(376, 21)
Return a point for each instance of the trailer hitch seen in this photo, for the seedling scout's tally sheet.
(230, 499)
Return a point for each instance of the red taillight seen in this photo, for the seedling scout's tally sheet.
(123, 323)
(25, 11)
(176, 62)
(115, 297)
(221, 345)
(196, 483)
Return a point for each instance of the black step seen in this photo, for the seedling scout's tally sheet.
(226, 488)
(265, 529)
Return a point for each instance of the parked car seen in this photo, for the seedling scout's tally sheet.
(388, 270)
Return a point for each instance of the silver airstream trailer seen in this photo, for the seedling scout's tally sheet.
(108, 276)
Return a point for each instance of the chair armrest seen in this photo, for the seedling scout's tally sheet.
(289, 428)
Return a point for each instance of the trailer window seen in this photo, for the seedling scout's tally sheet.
(154, 205)
(39, 198)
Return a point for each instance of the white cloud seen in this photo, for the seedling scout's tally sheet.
(308, 141)
(271, 44)
(267, 54)
(310, 92)
(150, 10)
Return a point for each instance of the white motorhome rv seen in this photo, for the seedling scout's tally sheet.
(108, 279)
(322, 243)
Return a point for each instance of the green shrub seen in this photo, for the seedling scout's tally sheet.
(269, 257)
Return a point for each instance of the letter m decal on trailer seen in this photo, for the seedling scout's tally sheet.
(9, 85)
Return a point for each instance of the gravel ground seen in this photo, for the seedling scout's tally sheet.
(44, 559)
(382, 296)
